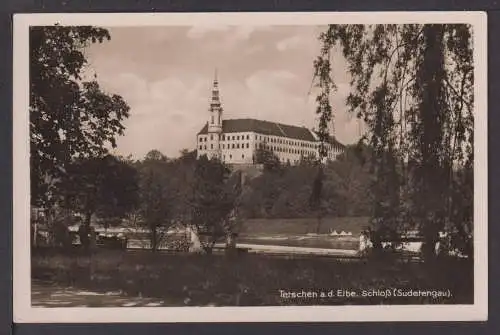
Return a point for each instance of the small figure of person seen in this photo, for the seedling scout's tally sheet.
(84, 235)
(231, 240)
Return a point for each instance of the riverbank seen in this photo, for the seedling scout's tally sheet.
(252, 279)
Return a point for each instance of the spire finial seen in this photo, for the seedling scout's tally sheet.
(215, 91)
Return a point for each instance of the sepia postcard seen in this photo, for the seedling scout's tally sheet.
(250, 167)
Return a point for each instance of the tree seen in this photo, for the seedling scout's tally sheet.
(267, 158)
(316, 199)
(353, 182)
(213, 199)
(413, 87)
(157, 196)
(69, 116)
(105, 186)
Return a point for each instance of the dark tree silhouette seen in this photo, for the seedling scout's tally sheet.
(106, 186)
(418, 111)
(70, 117)
(157, 196)
(213, 199)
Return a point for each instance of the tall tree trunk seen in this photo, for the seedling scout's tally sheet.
(432, 106)
(318, 222)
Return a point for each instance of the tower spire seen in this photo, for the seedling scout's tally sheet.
(215, 103)
(215, 109)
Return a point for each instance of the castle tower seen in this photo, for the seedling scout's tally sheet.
(215, 120)
(215, 109)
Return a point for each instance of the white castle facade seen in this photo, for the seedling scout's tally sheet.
(235, 141)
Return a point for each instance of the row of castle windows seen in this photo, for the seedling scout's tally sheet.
(225, 137)
(261, 146)
(259, 137)
(284, 160)
(243, 157)
(233, 146)
(231, 156)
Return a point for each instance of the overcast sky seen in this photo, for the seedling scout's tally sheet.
(165, 74)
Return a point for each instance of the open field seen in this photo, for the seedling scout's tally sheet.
(248, 279)
(305, 241)
(299, 241)
(304, 226)
(301, 232)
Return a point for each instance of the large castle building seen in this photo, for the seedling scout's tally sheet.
(235, 141)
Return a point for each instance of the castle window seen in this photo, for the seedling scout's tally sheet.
(233, 138)
(256, 137)
(212, 119)
(211, 137)
(201, 147)
(237, 145)
(248, 137)
(211, 146)
(230, 156)
(223, 146)
(233, 145)
(223, 137)
(205, 147)
(242, 156)
(238, 138)
(248, 145)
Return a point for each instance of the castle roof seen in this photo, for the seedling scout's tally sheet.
(267, 128)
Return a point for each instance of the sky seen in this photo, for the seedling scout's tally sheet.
(165, 74)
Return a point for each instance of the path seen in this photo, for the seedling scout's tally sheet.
(279, 249)
(45, 294)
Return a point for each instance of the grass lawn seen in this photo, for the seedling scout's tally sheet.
(251, 279)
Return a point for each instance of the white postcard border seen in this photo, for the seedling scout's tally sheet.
(24, 312)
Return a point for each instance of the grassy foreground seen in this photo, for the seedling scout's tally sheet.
(252, 279)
